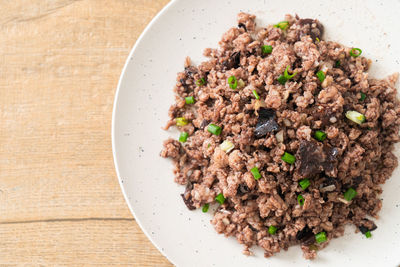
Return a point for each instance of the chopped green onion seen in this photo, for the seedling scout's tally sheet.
(283, 25)
(285, 77)
(320, 135)
(317, 39)
(205, 207)
(321, 76)
(320, 237)
(200, 82)
(227, 146)
(214, 129)
(368, 234)
(353, 52)
(183, 137)
(256, 94)
(337, 64)
(255, 173)
(266, 49)
(286, 74)
(181, 121)
(355, 116)
(208, 146)
(272, 230)
(282, 80)
(288, 158)
(350, 194)
(304, 183)
(220, 198)
(189, 100)
(240, 84)
(232, 81)
(363, 96)
(300, 199)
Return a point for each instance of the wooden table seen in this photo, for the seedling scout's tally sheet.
(60, 202)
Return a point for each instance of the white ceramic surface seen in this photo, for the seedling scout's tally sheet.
(186, 27)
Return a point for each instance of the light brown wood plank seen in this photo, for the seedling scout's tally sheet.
(77, 243)
(60, 62)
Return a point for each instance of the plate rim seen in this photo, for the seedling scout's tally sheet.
(124, 189)
(113, 134)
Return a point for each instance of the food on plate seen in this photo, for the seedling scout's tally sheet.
(284, 136)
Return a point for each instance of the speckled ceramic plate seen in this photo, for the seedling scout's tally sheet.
(186, 27)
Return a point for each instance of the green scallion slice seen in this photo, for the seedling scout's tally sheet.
(337, 64)
(272, 230)
(183, 137)
(189, 100)
(304, 184)
(220, 198)
(288, 158)
(350, 194)
(286, 74)
(321, 76)
(205, 207)
(355, 52)
(255, 173)
(368, 234)
(285, 77)
(232, 81)
(355, 116)
(283, 25)
(266, 49)
(181, 121)
(363, 96)
(320, 237)
(300, 200)
(227, 146)
(256, 94)
(282, 80)
(200, 82)
(214, 129)
(320, 135)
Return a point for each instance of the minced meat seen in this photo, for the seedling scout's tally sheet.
(265, 116)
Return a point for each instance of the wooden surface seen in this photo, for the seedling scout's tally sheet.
(60, 202)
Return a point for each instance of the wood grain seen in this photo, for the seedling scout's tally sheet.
(60, 62)
(76, 243)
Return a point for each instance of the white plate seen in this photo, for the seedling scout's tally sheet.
(186, 27)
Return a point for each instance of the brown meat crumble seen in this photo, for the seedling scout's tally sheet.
(262, 116)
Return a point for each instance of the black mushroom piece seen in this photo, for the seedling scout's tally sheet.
(314, 157)
(323, 114)
(184, 85)
(311, 27)
(357, 181)
(242, 189)
(190, 70)
(187, 197)
(266, 122)
(204, 123)
(232, 62)
(330, 163)
(363, 229)
(306, 236)
(241, 25)
(367, 225)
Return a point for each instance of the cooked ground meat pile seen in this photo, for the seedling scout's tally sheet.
(285, 134)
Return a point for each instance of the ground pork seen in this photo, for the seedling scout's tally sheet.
(252, 149)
